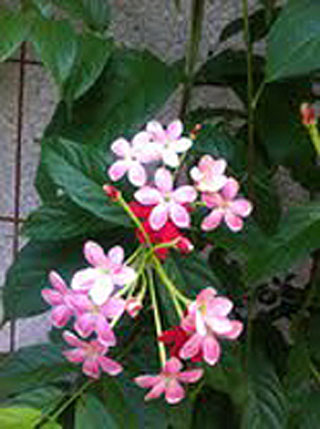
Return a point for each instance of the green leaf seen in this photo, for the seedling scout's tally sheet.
(294, 42)
(33, 367)
(14, 29)
(132, 87)
(96, 14)
(56, 44)
(23, 418)
(91, 413)
(42, 398)
(61, 220)
(93, 54)
(80, 171)
(298, 235)
(306, 411)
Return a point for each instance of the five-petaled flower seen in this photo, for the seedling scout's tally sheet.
(226, 206)
(209, 174)
(169, 381)
(92, 355)
(108, 271)
(167, 202)
(206, 321)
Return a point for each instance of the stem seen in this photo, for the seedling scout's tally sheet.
(250, 95)
(197, 13)
(157, 320)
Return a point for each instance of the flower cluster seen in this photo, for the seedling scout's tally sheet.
(162, 212)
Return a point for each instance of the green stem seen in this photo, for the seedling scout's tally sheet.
(157, 320)
(197, 13)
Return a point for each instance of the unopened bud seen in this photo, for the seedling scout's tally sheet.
(308, 114)
(195, 131)
(112, 192)
(133, 306)
(184, 245)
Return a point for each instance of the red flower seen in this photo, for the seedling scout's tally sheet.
(308, 114)
(175, 338)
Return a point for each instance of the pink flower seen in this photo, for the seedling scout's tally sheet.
(169, 381)
(207, 320)
(94, 318)
(170, 141)
(226, 206)
(209, 175)
(108, 271)
(168, 202)
(92, 354)
(59, 297)
(131, 157)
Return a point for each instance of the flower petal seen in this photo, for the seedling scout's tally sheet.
(148, 196)
(106, 335)
(220, 306)
(196, 174)
(124, 276)
(179, 215)
(118, 169)
(90, 368)
(121, 147)
(156, 130)
(219, 325)
(137, 174)
(235, 223)
(57, 282)
(218, 167)
(147, 381)
(230, 189)
(140, 140)
(116, 255)
(52, 297)
(85, 324)
(73, 340)
(172, 366)
(212, 199)
(174, 392)
(156, 391)
(190, 376)
(211, 350)
(109, 366)
(212, 221)
(85, 279)
(241, 207)
(191, 347)
(75, 355)
(237, 328)
(114, 307)
(182, 145)
(60, 316)
(163, 180)
(158, 216)
(101, 290)
(94, 254)
(175, 129)
(185, 194)
(170, 158)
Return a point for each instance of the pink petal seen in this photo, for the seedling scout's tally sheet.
(75, 355)
(196, 174)
(137, 174)
(109, 366)
(90, 368)
(57, 282)
(191, 376)
(73, 340)
(85, 279)
(148, 196)
(211, 350)
(219, 325)
(212, 199)
(118, 169)
(191, 347)
(175, 129)
(52, 297)
(172, 366)
(231, 189)
(182, 145)
(218, 167)
(179, 215)
(105, 334)
(235, 223)
(206, 163)
(212, 221)
(241, 207)
(80, 302)
(169, 157)
(116, 255)
(94, 254)
(124, 276)
(163, 180)
(237, 328)
(101, 290)
(158, 216)
(206, 294)
(156, 391)
(147, 381)
(60, 316)
(220, 307)
(185, 194)
(156, 130)
(85, 324)
(121, 147)
(140, 140)
(114, 307)
(174, 392)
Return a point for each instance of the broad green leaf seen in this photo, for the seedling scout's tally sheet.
(80, 172)
(33, 367)
(305, 411)
(96, 13)
(61, 220)
(131, 89)
(23, 418)
(298, 234)
(91, 413)
(42, 398)
(92, 56)
(56, 44)
(14, 28)
(294, 42)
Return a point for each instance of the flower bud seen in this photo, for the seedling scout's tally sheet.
(112, 192)
(133, 306)
(184, 245)
(195, 131)
(308, 114)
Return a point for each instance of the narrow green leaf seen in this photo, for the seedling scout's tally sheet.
(14, 29)
(294, 42)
